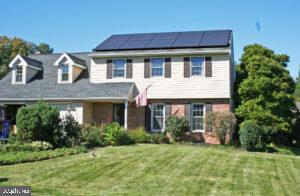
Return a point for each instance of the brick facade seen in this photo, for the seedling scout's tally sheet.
(103, 113)
(177, 110)
(136, 116)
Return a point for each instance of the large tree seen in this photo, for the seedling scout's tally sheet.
(297, 91)
(265, 92)
(10, 47)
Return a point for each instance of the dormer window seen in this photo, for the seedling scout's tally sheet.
(24, 69)
(69, 68)
(19, 74)
(64, 73)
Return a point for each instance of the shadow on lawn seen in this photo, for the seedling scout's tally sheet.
(282, 150)
(3, 179)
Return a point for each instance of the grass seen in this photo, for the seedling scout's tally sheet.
(151, 169)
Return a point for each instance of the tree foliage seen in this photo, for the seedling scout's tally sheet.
(265, 91)
(11, 47)
(297, 90)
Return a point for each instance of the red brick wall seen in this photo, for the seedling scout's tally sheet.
(177, 110)
(102, 113)
(136, 116)
(220, 107)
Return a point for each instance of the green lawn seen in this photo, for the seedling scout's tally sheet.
(160, 169)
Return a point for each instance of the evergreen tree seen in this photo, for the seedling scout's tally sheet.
(265, 92)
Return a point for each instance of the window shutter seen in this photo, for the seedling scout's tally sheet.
(208, 109)
(109, 69)
(187, 112)
(148, 118)
(168, 68)
(146, 68)
(187, 68)
(128, 68)
(208, 67)
(167, 111)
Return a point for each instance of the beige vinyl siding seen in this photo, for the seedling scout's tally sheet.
(87, 113)
(217, 86)
(76, 72)
(77, 110)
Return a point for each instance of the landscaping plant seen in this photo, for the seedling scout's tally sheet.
(139, 135)
(115, 135)
(251, 135)
(71, 130)
(92, 136)
(177, 127)
(222, 124)
(39, 122)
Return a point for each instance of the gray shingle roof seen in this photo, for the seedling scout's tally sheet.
(33, 62)
(77, 60)
(44, 84)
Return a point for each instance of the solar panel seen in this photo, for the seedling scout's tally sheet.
(193, 39)
(113, 42)
(137, 41)
(162, 40)
(215, 38)
(188, 39)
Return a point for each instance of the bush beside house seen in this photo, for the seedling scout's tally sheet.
(222, 125)
(177, 127)
(39, 122)
(251, 135)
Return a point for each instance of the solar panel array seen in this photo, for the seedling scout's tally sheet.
(192, 39)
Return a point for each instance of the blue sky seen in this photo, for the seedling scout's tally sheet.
(80, 25)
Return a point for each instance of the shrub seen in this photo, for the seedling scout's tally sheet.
(92, 136)
(159, 138)
(12, 137)
(221, 123)
(115, 135)
(39, 122)
(31, 147)
(177, 127)
(71, 130)
(10, 158)
(251, 135)
(139, 135)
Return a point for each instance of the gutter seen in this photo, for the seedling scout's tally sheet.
(223, 50)
(63, 99)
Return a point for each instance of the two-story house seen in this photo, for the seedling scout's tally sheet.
(190, 73)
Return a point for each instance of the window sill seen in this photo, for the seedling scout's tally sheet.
(157, 131)
(198, 131)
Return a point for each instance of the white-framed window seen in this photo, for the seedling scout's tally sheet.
(119, 67)
(157, 67)
(64, 73)
(158, 117)
(19, 74)
(197, 64)
(197, 117)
